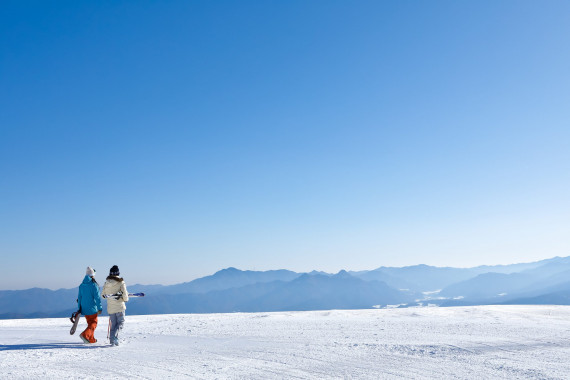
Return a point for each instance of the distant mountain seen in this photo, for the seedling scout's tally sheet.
(321, 273)
(425, 277)
(318, 292)
(532, 281)
(229, 278)
(553, 284)
(136, 288)
(388, 279)
(550, 268)
(490, 286)
(561, 296)
(216, 301)
(307, 292)
(511, 268)
(231, 290)
(36, 300)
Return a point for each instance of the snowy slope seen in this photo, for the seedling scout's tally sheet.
(467, 342)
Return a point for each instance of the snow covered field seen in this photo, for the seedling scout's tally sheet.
(466, 342)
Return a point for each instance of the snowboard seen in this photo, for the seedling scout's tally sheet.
(75, 320)
(119, 294)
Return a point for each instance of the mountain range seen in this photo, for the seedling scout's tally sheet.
(233, 290)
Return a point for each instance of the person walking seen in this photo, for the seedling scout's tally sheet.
(115, 285)
(89, 302)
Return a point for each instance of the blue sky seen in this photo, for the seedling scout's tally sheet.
(177, 138)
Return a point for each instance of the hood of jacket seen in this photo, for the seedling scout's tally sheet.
(112, 285)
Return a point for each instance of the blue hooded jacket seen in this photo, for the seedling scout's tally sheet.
(89, 298)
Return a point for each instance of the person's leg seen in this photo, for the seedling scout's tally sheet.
(118, 326)
(89, 332)
(113, 319)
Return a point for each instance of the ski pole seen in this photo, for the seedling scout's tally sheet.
(109, 330)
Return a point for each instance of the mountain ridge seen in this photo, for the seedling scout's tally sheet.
(231, 289)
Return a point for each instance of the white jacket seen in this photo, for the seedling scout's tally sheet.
(114, 285)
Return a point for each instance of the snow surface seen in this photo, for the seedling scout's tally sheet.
(463, 342)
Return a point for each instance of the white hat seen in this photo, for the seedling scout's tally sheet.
(90, 271)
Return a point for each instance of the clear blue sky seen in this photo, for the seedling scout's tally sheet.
(177, 138)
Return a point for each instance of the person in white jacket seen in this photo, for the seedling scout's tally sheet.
(115, 305)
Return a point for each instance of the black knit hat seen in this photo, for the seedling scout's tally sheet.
(114, 271)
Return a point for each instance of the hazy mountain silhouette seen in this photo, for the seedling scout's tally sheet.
(488, 286)
(227, 279)
(37, 301)
(388, 279)
(550, 268)
(317, 292)
(307, 292)
(231, 290)
(558, 294)
(422, 277)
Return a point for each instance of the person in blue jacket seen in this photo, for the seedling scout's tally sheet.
(89, 302)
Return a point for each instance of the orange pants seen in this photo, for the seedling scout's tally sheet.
(89, 332)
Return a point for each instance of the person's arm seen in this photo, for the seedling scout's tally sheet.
(79, 299)
(98, 299)
(125, 292)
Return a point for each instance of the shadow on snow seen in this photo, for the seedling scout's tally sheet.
(45, 346)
